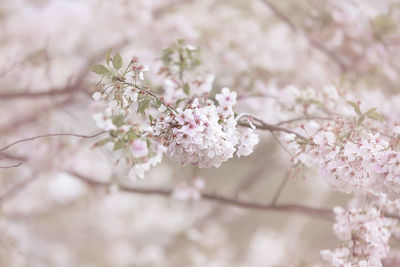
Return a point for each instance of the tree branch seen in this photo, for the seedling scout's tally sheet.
(11, 166)
(280, 188)
(304, 119)
(306, 210)
(261, 125)
(67, 89)
(49, 135)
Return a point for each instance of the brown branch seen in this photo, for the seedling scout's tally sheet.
(281, 144)
(15, 190)
(70, 88)
(11, 166)
(4, 155)
(251, 179)
(306, 210)
(281, 15)
(260, 95)
(49, 135)
(280, 188)
(49, 93)
(304, 119)
(254, 176)
(34, 115)
(261, 125)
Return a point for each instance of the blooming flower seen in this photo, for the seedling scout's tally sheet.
(103, 122)
(96, 96)
(139, 148)
(226, 98)
(248, 139)
(364, 235)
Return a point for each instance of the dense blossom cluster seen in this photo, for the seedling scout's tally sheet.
(351, 158)
(199, 139)
(185, 123)
(349, 154)
(364, 235)
(206, 135)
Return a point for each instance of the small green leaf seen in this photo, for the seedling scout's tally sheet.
(166, 56)
(157, 103)
(102, 142)
(148, 142)
(151, 118)
(143, 105)
(356, 107)
(118, 120)
(118, 145)
(186, 89)
(131, 135)
(361, 119)
(99, 69)
(373, 114)
(196, 63)
(108, 56)
(117, 61)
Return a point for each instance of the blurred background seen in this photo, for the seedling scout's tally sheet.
(49, 217)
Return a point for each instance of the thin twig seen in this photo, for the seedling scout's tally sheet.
(261, 95)
(251, 179)
(69, 89)
(261, 125)
(50, 135)
(282, 145)
(280, 188)
(172, 110)
(303, 119)
(306, 210)
(11, 166)
(8, 195)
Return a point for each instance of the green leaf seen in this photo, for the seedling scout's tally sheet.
(186, 89)
(196, 63)
(157, 103)
(166, 56)
(383, 24)
(373, 114)
(131, 135)
(143, 104)
(118, 120)
(102, 142)
(151, 118)
(118, 145)
(117, 61)
(99, 69)
(108, 56)
(148, 142)
(356, 107)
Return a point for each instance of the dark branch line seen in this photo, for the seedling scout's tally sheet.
(311, 211)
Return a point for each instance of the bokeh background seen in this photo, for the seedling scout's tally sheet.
(48, 217)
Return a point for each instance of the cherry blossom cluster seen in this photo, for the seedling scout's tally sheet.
(351, 158)
(183, 120)
(364, 234)
(349, 150)
(205, 134)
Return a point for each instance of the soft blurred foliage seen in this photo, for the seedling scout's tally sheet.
(48, 217)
